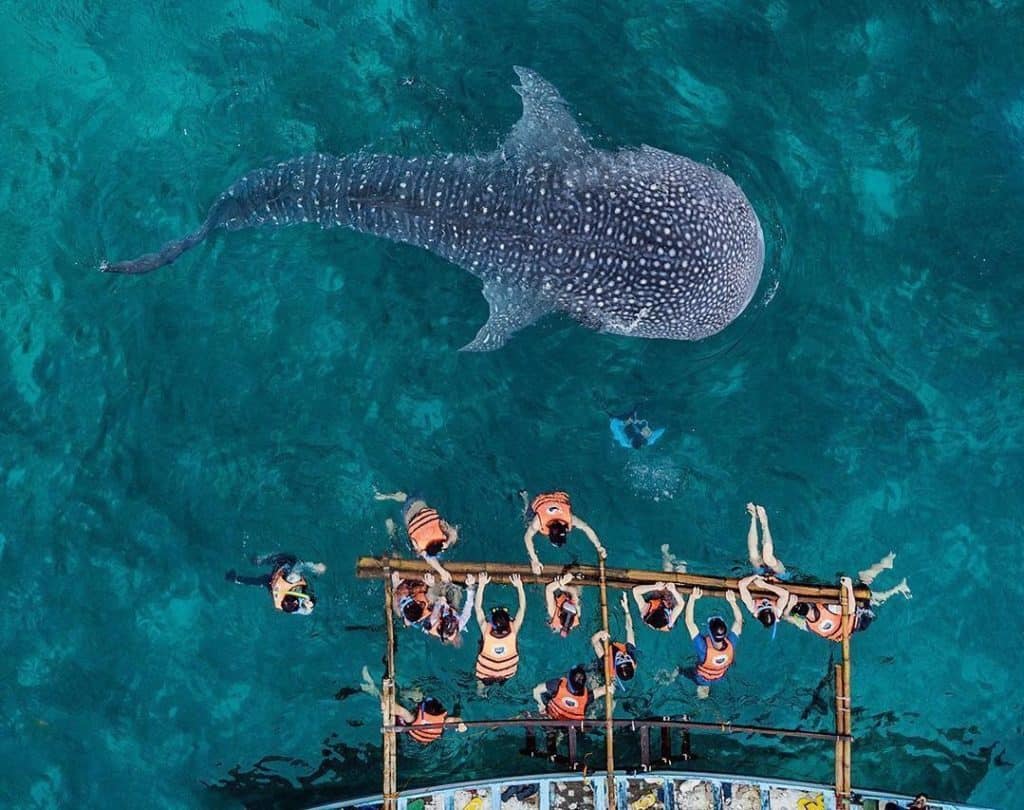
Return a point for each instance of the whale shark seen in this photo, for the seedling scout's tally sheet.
(635, 241)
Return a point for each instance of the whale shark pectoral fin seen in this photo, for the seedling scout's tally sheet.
(547, 130)
(511, 310)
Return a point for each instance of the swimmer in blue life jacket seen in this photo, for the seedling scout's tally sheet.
(716, 650)
(288, 587)
(632, 432)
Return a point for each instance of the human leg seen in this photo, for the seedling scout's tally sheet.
(752, 552)
(670, 563)
(767, 545)
(880, 597)
(262, 581)
(390, 496)
(867, 576)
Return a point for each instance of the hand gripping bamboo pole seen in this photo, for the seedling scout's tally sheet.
(609, 707)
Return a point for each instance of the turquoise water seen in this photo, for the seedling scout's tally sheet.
(157, 431)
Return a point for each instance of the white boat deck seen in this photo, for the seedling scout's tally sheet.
(650, 791)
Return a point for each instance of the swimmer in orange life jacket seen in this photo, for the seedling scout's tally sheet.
(498, 659)
(551, 514)
(660, 604)
(429, 533)
(567, 698)
(624, 655)
(428, 712)
(768, 608)
(414, 600)
(716, 650)
(288, 587)
(824, 618)
(446, 622)
(563, 604)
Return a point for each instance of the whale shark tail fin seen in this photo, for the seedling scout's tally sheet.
(149, 262)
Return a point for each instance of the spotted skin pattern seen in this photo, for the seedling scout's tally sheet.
(636, 242)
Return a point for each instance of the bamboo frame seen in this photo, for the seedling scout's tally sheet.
(604, 578)
(622, 578)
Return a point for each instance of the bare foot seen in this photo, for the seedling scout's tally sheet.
(703, 692)
(751, 509)
(904, 588)
(762, 516)
(389, 524)
(888, 560)
(318, 568)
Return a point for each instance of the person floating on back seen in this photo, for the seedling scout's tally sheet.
(563, 604)
(774, 602)
(498, 659)
(429, 533)
(660, 604)
(414, 600)
(623, 658)
(446, 622)
(825, 618)
(550, 514)
(288, 587)
(567, 698)
(716, 650)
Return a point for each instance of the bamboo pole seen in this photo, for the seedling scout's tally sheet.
(609, 706)
(390, 792)
(585, 725)
(622, 578)
(846, 764)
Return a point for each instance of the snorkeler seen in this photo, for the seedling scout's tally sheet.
(428, 712)
(429, 533)
(498, 659)
(633, 433)
(567, 698)
(624, 655)
(563, 604)
(716, 650)
(446, 622)
(768, 608)
(551, 514)
(824, 618)
(414, 601)
(659, 604)
(288, 588)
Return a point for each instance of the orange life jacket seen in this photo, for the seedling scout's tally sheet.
(552, 506)
(564, 705)
(416, 590)
(499, 657)
(426, 527)
(829, 622)
(654, 604)
(716, 662)
(279, 587)
(556, 621)
(427, 735)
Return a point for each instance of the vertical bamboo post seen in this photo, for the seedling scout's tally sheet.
(608, 704)
(843, 776)
(390, 792)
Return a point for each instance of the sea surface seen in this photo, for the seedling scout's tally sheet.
(157, 431)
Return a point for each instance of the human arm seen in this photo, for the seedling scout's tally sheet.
(457, 722)
(451, 532)
(744, 588)
(403, 714)
(483, 579)
(851, 600)
(467, 608)
(600, 691)
(784, 601)
(517, 583)
(640, 591)
(313, 568)
(531, 532)
(538, 695)
(549, 596)
(691, 625)
(433, 563)
(597, 641)
(680, 603)
(583, 526)
(737, 614)
(630, 635)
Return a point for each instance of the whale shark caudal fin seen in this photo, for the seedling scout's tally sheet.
(547, 130)
(511, 310)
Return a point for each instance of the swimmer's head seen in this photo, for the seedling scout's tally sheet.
(434, 548)
(766, 616)
(432, 706)
(625, 669)
(412, 610)
(501, 623)
(567, 615)
(577, 679)
(449, 628)
(557, 532)
(657, 618)
(801, 609)
(718, 628)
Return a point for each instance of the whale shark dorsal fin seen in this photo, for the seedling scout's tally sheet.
(511, 310)
(546, 130)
